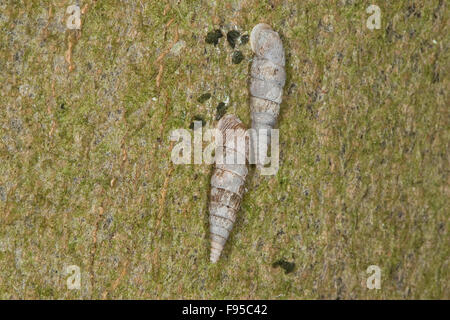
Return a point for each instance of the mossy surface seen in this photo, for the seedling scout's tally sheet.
(86, 177)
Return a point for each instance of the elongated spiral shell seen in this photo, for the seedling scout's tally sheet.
(267, 77)
(227, 186)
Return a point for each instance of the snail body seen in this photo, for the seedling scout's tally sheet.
(227, 185)
(267, 78)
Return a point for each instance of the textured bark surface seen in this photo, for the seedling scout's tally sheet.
(86, 176)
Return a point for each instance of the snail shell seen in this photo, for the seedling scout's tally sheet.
(227, 187)
(267, 77)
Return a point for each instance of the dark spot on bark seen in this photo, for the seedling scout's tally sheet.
(237, 57)
(244, 39)
(18, 56)
(412, 11)
(232, 37)
(220, 110)
(197, 118)
(204, 97)
(287, 266)
(213, 37)
(438, 10)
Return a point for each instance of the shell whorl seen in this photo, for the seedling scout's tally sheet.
(267, 77)
(227, 189)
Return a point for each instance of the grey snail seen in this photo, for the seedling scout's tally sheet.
(227, 184)
(267, 79)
